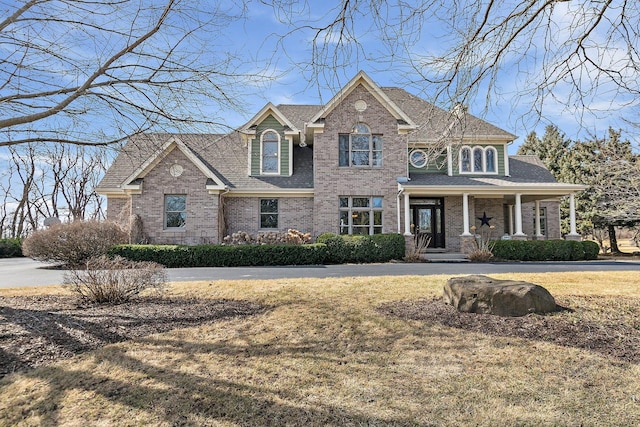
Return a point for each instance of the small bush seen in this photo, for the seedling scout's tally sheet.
(10, 248)
(545, 250)
(591, 249)
(114, 280)
(362, 249)
(74, 243)
(290, 237)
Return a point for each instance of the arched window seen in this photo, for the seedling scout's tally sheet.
(270, 146)
(478, 154)
(360, 147)
(465, 159)
(478, 160)
(490, 157)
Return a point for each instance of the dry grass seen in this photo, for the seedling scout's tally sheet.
(324, 355)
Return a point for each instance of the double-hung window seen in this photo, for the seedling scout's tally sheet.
(175, 211)
(360, 147)
(268, 213)
(361, 215)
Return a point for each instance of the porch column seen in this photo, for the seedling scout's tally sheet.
(538, 230)
(572, 217)
(518, 215)
(465, 214)
(407, 215)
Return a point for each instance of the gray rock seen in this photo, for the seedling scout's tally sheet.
(509, 298)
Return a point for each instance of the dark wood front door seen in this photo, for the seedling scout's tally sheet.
(428, 222)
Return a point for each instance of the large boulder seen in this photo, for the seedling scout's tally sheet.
(482, 294)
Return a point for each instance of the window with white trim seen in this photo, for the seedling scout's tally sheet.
(361, 215)
(543, 221)
(360, 147)
(268, 213)
(269, 147)
(175, 211)
(478, 160)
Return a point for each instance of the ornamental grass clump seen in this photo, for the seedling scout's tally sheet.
(115, 280)
(482, 245)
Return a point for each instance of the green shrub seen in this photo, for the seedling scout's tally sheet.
(329, 249)
(362, 249)
(175, 256)
(544, 250)
(591, 249)
(74, 243)
(10, 248)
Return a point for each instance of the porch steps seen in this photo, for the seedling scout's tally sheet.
(445, 257)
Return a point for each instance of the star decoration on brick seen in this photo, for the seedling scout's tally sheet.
(484, 219)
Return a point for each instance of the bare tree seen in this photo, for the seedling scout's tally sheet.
(50, 180)
(94, 72)
(571, 53)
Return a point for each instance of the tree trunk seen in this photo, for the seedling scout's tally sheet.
(613, 241)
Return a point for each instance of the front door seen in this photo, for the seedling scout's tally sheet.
(428, 222)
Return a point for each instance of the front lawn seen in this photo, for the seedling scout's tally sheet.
(350, 351)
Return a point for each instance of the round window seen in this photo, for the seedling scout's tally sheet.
(176, 170)
(418, 158)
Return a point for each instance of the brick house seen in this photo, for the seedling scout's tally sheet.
(361, 164)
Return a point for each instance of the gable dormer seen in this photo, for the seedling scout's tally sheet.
(270, 136)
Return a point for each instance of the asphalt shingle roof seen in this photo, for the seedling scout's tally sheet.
(227, 155)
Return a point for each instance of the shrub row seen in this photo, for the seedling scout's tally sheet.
(330, 249)
(10, 248)
(545, 250)
(362, 249)
(174, 256)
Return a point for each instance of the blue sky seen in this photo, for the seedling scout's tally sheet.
(260, 35)
(270, 43)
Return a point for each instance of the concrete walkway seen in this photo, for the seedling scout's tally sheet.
(21, 272)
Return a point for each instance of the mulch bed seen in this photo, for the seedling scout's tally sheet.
(605, 325)
(35, 330)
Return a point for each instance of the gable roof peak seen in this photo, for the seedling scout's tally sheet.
(362, 78)
(268, 109)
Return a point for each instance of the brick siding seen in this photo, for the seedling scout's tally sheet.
(332, 181)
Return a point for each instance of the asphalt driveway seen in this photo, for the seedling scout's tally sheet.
(21, 272)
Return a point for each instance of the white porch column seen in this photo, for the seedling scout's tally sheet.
(465, 214)
(572, 216)
(407, 215)
(518, 215)
(398, 208)
(538, 229)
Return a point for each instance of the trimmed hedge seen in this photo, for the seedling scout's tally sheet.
(175, 256)
(10, 248)
(545, 250)
(329, 249)
(362, 249)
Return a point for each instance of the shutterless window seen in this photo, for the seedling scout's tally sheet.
(478, 160)
(543, 221)
(490, 155)
(360, 215)
(268, 213)
(360, 147)
(175, 211)
(270, 143)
